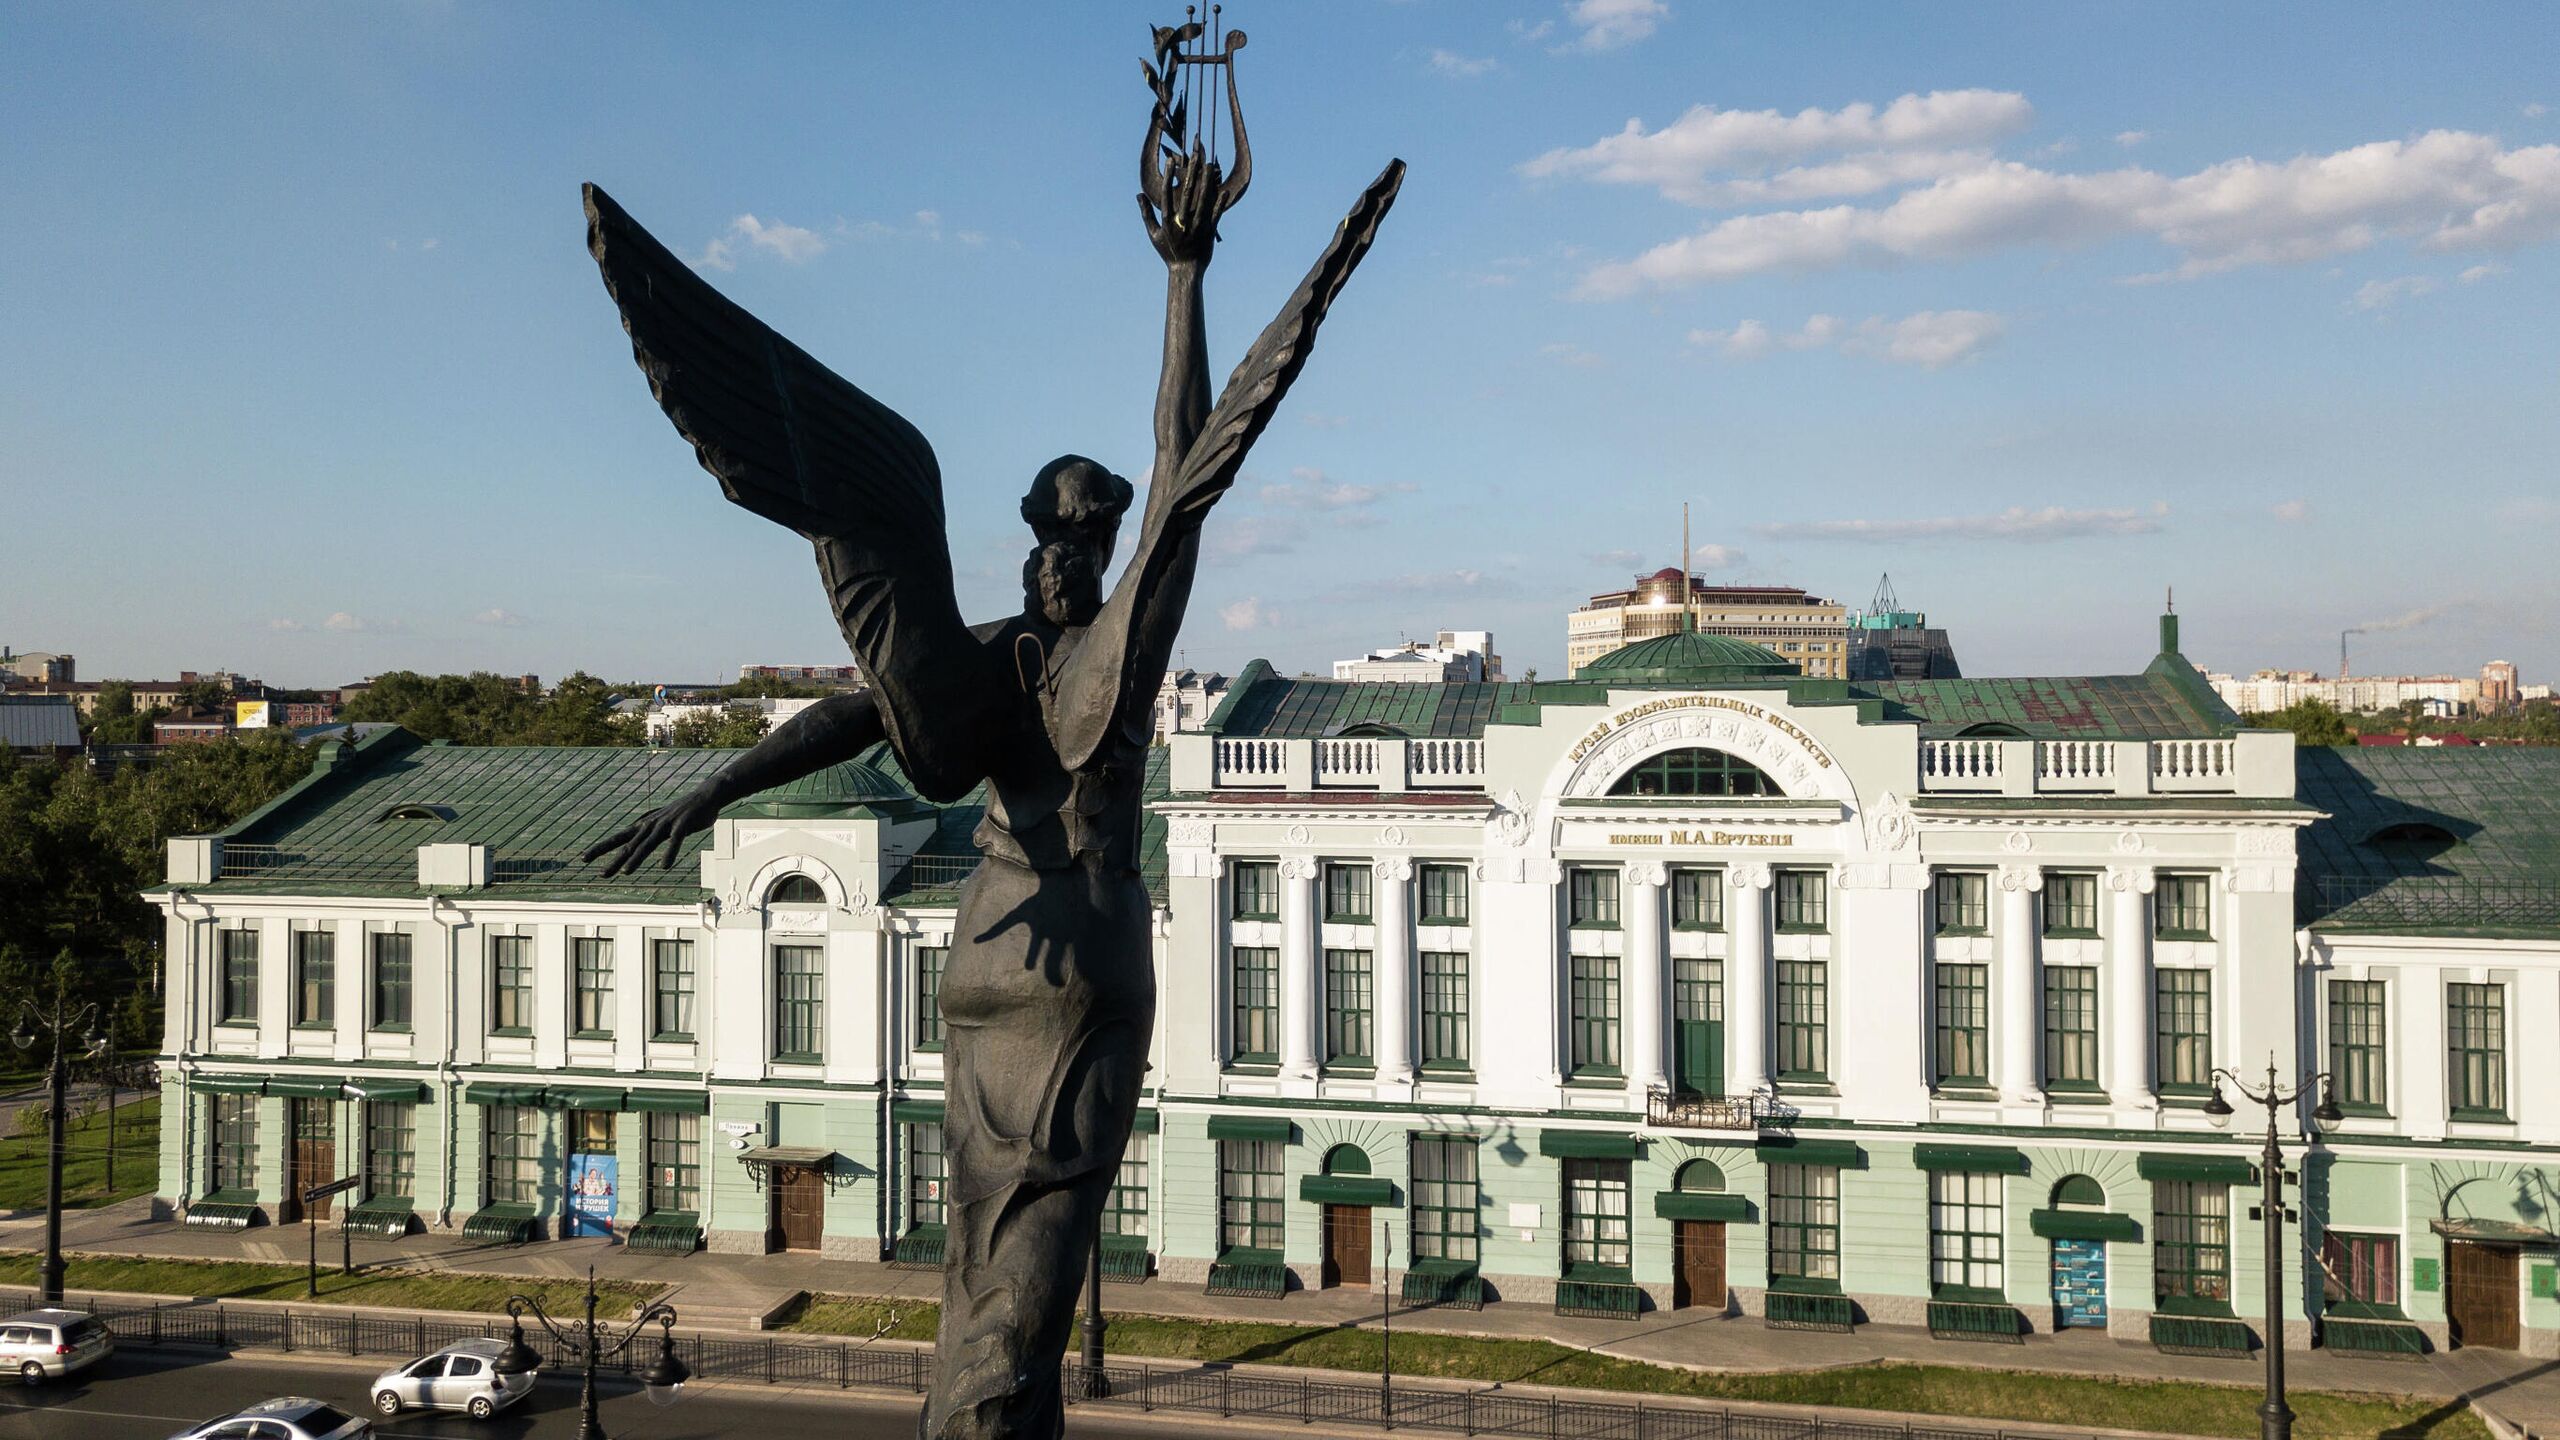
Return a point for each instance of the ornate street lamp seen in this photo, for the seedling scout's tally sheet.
(592, 1344)
(2275, 1418)
(34, 1022)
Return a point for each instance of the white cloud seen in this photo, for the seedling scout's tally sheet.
(286, 626)
(497, 616)
(2130, 138)
(1710, 156)
(1236, 537)
(791, 244)
(1614, 559)
(1712, 556)
(1247, 614)
(2412, 619)
(1320, 420)
(1930, 339)
(2017, 523)
(1443, 582)
(1463, 67)
(1308, 488)
(1528, 34)
(347, 624)
(2292, 512)
(1613, 24)
(2478, 273)
(1565, 352)
(2381, 294)
(2535, 110)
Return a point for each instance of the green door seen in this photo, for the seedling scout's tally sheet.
(1697, 1026)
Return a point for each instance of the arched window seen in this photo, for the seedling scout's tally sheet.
(2411, 835)
(2079, 1190)
(1346, 1160)
(796, 890)
(1991, 730)
(1699, 1177)
(1696, 771)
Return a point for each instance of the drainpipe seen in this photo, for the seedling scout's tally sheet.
(451, 1093)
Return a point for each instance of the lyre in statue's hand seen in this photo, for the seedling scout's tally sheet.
(1182, 188)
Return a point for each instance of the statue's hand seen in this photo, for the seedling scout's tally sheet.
(1182, 219)
(667, 826)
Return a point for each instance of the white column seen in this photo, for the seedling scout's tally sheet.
(2021, 1080)
(1746, 980)
(1392, 968)
(1299, 938)
(1646, 1017)
(2129, 993)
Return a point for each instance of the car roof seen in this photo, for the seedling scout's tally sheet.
(283, 1407)
(47, 1316)
(480, 1345)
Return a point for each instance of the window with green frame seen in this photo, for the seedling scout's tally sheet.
(671, 991)
(1804, 1226)
(799, 1002)
(1350, 1030)
(1598, 1224)
(1804, 902)
(315, 979)
(2359, 1028)
(1347, 897)
(1444, 1010)
(1253, 973)
(2191, 1241)
(1964, 1231)
(1593, 1021)
(1445, 1198)
(1696, 770)
(231, 1151)
(930, 960)
(2182, 907)
(2359, 1270)
(390, 1148)
(1961, 1005)
(393, 974)
(675, 1163)
(1444, 894)
(1249, 1196)
(1254, 888)
(2182, 1011)
(1124, 1211)
(2071, 905)
(1961, 902)
(511, 984)
(239, 977)
(514, 1170)
(591, 987)
(2476, 1037)
(927, 1173)
(1591, 897)
(1804, 1020)
(2070, 1027)
(1697, 899)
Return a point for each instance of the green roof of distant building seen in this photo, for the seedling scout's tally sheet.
(1686, 657)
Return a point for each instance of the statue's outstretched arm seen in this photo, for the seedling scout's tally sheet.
(830, 732)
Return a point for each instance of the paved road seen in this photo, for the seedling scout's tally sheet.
(151, 1395)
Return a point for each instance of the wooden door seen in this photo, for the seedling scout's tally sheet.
(1697, 1277)
(314, 1125)
(799, 1208)
(2480, 1294)
(1346, 1246)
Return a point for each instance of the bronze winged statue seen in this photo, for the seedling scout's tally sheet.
(1049, 993)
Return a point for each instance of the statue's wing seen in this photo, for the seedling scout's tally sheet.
(798, 444)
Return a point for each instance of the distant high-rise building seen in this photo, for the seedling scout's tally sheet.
(1887, 642)
(1456, 657)
(2499, 686)
(36, 667)
(1806, 631)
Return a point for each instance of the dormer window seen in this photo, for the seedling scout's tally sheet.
(411, 810)
(796, 890)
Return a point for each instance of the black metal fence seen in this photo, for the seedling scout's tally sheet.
(1174, 1386)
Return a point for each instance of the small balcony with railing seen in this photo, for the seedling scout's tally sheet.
(1384, 764)
(2245, 764)
(1667, 1109)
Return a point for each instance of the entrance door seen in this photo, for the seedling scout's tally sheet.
(2080, 1284)
(314, 1124)
(1346, 1246)
(1697, 1027)
(799, 1208)
(1697, 1277)
(594, 1173)
(2480, 1294)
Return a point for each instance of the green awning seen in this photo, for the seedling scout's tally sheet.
(2083, 1225)
(586, 1097)
(378, 1089)
(1347, 1190)
(1147, 1123)
(672, 1102)
(231, 1084)
(1977, 1159)
(916, 1112)
(502, 1095)
(308, 1087)
(2490, 1232)
(1249, 1127)
(1843, 1153)
(1586, 1145)
(2228, 1169)
(1694, 1205)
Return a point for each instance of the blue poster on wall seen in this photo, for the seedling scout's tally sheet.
(591, 1187)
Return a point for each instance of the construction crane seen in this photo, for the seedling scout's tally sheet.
(2342, 651)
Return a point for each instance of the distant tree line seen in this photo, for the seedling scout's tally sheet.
(2316, 722)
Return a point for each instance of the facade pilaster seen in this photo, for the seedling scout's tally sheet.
(2128, 1058)
(1300, 936)
(1392, 881)
(1747, 980)
(2021, 987)
(1647, 1016)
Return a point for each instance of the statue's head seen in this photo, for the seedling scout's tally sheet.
(1074, 508)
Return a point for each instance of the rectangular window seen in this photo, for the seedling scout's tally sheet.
(1349, 1007)
(511, 984)
(930, 960)
(390, 1148)
(2476, 1033)
(591, 992)
(315, 979)
(1249, 1196)
(1962, 899)
(1444, 1010)
(1963, 1024)
(1125, 1212)
(2191, 1240)
(2184, 1008)
(2357, 1031)
(1254, 976)
(2070, 1027)
(1445, 1200)
(675, 1163)
(1591, 898)
(239, 977)
(233, 1151)
(2360, 1269)
(2071, 906)
(1346, 894)
(927, 1174)
(515, 1154)
(2182, 908)
(1595, 1015)
(799, 1002)
(1256, 890)
(1697, 899)
(1804, 1226)
(671, 991)
(1804, 902)
(1964, 1231)
(1597, 1224)
(392, 974)
(1804, 1020)
(1444, 894)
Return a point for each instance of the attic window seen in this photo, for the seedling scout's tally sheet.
(1992, 729)
(796, 890)
(1369, 729)
(2411, 832)
(418, 812)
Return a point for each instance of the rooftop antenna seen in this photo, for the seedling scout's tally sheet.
(1886, 601)
(1688, 592)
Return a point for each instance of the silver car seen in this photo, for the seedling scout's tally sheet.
(294, 1417)
(461, 1376)
(46, 1345)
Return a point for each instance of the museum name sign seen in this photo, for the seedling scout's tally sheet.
(1701, 837)
(1634, 713)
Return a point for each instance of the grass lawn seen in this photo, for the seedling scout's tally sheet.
(396, 1289)
(84, 1165)
(2178, 1406)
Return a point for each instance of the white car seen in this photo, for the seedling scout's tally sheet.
(461, 1376)
(294, 1417)
(43, 1345)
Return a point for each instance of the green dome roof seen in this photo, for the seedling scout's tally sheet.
(1685, 658)
(840, 787)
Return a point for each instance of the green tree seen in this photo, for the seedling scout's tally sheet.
(767, 687)
(726, 729)
(579, 711)
(2313, 722)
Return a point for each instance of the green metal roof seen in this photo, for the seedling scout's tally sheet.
(1686, 657)
(2451, 840)
(1263, 702)
(847, 785)
(2168, 701)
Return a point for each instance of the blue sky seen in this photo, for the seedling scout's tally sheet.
(2043, 309)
